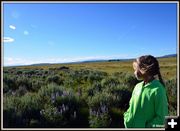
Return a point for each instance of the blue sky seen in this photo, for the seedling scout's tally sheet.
(59, 32)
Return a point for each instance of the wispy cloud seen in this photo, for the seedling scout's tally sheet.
(12, 27)
(26, 32)
(8, 39)
(10, 61)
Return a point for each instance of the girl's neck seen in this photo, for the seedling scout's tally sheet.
(148, 79)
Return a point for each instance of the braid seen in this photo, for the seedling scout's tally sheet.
(160, 78)
(162, 82)
(150, 65)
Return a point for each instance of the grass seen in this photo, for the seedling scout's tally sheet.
(168, 66)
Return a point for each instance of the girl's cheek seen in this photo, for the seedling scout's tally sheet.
(135, 74)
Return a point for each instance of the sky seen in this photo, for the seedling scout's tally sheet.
(67, 32)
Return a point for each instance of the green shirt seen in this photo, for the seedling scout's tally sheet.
(148, 106)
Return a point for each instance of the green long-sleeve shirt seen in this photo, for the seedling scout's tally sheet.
(148, 106)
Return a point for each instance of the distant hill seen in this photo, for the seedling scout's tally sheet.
(167, 56)
(111, 60)
(98, 60)
(40, 64)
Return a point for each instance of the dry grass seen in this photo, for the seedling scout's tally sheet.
(168, 66)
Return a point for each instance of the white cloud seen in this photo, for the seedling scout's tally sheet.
(10, 61)
(26, 32)
(12, 27)
(8, 39)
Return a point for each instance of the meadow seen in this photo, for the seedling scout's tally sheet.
(83, 95)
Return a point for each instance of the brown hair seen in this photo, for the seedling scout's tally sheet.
(150, 65)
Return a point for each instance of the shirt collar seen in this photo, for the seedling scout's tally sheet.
(149, 83)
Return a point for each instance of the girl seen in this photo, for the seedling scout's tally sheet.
(148, 105)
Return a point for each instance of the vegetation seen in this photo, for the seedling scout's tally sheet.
(75, 95)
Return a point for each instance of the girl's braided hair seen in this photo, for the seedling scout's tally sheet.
(150, 65)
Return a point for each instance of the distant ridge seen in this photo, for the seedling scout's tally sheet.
(99, 60)
(40, 64)
(92, 61)
(167, 56)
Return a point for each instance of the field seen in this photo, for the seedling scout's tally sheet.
(168, 67)
(75, 95)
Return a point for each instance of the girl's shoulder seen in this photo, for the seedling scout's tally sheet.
(156, 86)
(138, 86)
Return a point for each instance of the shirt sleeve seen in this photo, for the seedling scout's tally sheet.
(161, 109)
(128, 114)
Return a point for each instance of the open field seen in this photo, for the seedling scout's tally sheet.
(75, 95)
(168, 66)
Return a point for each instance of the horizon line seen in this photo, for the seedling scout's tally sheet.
(87, 61)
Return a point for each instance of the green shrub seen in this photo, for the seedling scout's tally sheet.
(54, 79)
(99, 118)
(12, 116)
(95, 76)
(62, 107)
(25, 82)
(171, 89)
(110, 82)
(10, 82)
(121, 96)
(99, 105)
(52, 115)
(93, 89)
